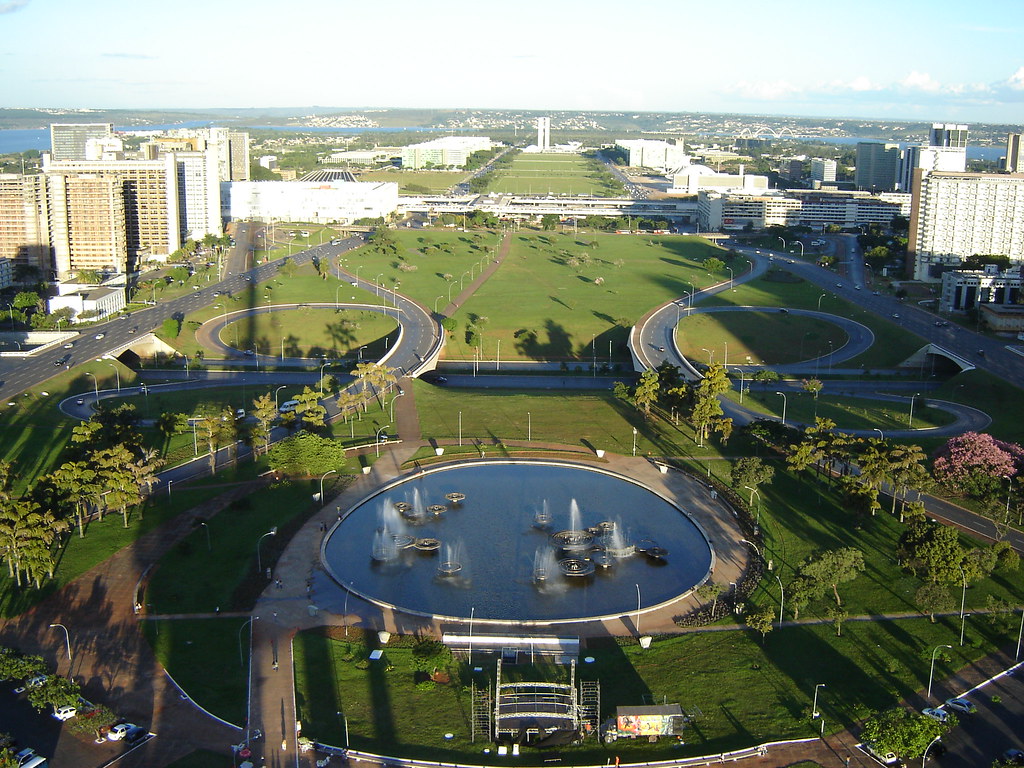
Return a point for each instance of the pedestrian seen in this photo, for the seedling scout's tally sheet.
(275, 665)
(278, 584)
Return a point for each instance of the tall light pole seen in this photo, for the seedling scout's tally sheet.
(963, 600)
(361, 352)
(910, 424)
(337, 301)
(400, 394)
(931, 743)
(785, 402)
(931, 672)
(460, 429)
(783, 243)
(241, 662)
(819, 300)
(814, 706)
(256, 354)
(638, 609)
(731, 276)
(1009, 490)
(95, 387)
(259, 559)
(881, 435)
(202, 524)
(782, 599)
(711, 355)
(277, 402)
(634, 441)
(117, 373)
(329, 362)
(450, 286)
(377, 441)
(529, 427)
(67, 639)
(328, 472)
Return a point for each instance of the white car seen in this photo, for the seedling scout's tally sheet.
(962, 705)
(118, 731)
(935, 714)
(35, 682)
(99, 336)
(65, 713)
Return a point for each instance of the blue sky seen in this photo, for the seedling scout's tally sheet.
(896, 59)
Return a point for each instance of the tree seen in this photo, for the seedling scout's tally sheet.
(800, 592)
(212, 430)
(117, 479)
(56, 692)
(373, 377)
(761, 621)
(710, 590)
(549, 221)
(714, 264)
(306, 454)
(975, 463)
(932, 598)
(308, 408)
(834, 567)
(27, 532)
(903, 731)
(933, 548)
(837, 616)
(171, 423)
(78, 482)
(749, 473)
(646, 393)
(27, 300)
(766, 377)
(264, 411)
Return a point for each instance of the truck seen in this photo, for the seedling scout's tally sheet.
(651, 721)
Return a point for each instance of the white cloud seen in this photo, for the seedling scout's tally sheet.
(1016, 80)
(922, 81)
(12, 5)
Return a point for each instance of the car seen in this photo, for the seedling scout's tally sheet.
(839, 285)
(135, 735)
(99, 336)
(65, 713)
(935, 714)
(1013, 757)
(783, 311)
(69, 345)
(981, 353)
(133, 330)
(240, 413)
(25, 755)
(62, 360)
(896, 315)
(874, 293)
(80, 401)
(35, 682)
(119, 731)
(249, 353)
(288, 406)
(661, 349)
(963, 706)
(856, 287)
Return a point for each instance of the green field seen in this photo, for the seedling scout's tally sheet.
(554, 174)
(417, 182)
(761, 338)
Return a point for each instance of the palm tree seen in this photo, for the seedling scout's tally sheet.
(78, 482)
(375, 377)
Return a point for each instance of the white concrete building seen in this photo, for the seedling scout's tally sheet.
(94, 303)
(967, 289)
(444, 152)
(658, 155)
(692, 179)
(340, 202)
(956, 215)
(812, 208)
(823, 169)
(1014, 160)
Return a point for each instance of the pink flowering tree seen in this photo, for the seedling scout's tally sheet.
(976, 463)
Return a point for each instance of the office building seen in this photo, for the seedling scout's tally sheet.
(877, 166)
(449, 151)
(1014, 160)
(691, 179)
(967, 289)
(330, 202)
(823, 169)
(68, 141)
(92, 303)
(660, 156)
(946, 151)
(543, 134)
(198, 191)
(957, 215)
(798, 207)
(24, 222)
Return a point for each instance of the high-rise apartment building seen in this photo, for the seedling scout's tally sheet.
(948, 135)
(88, 224)
(877, 166)
(823, 169)
(232, 151)
(1014, 160)
(150, 197)
(24, 221)
(68, 141)
(957, 215)
(946, 151)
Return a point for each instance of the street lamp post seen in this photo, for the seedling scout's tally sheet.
(931, 743)
(460, 429)
(241, 661)
(259, 559)
(757, 521)
(783, 243)
(1009, 490)
(361, 352)
(931, 672)
(400, 394)
(337, 301)
(742, 386)
(435, 302)
(634, 441)
(785, 402)
(67, 639)
(450, 286)
(819, 301)
(529, 427)
(204, 526)
(881, 435)
(328, 472)
(377, 441)
(117, 373)
(711, 355)
(329, 362)
(911, 422)
(731, 276)
(277, 402)
(963, 600)
(95, 386)
(256, 354)
(814, 706)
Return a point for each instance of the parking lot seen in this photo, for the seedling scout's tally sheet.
(45, 734)
(981, 738)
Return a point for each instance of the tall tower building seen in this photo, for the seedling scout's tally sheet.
(543, 133)
(823, 169)
(24, 221)
(68, 141)
(1014, 162)
(878, 166)
(232, 151)
(948, 135)
(88, 223)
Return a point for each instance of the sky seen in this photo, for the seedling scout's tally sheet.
(940, 60)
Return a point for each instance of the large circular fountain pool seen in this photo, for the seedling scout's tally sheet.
(517, 542)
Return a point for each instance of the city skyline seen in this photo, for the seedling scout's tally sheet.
(795, 58)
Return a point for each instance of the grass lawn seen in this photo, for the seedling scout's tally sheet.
(999, 399)
(554, 175)
(763, 338)
(562, 297)
(417, 182)
(197, 577)
(189, 648)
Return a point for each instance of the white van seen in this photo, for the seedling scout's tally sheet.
(288, 406)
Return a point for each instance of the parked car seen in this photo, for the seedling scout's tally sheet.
(25, 755)
(135, 735)
(65, 713)
(962, 705)
(1013, 756)
(935, 714)
(35, 682)
(119, 731)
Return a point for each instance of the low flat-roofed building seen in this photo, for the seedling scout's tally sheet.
(967, 289)
(1003, 318)
(338, 201)
(691, 179)
(448, 151)
(89, 303)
